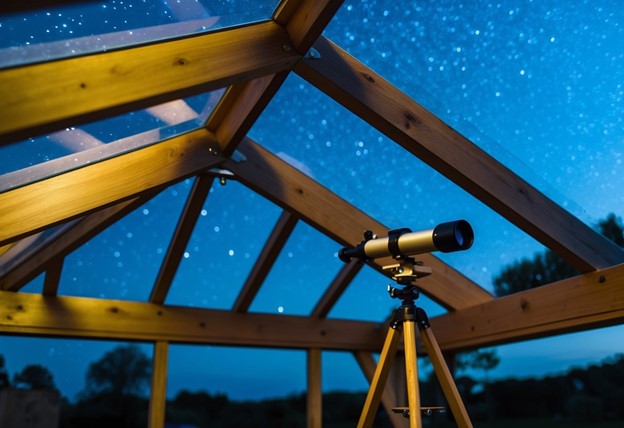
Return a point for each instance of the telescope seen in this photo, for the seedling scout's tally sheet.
(403, 243)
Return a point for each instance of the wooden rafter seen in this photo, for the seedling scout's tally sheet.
(28, 209)
(180, 239)
(587, 301)
(105, 84)
(34, 314)
(273, 178)
(271, 250)
(33, 261)
(336, 288)
(393, 113)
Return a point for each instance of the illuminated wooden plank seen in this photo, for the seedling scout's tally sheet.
(28, 209)
(389, 110)
(240, 107)
(336, 288)
(158, 389)
(276, 180)
(306, 23)
(30, 262)
(34, 314)
(588, 301)
(271, 250)
(53, 95)
(180, 238)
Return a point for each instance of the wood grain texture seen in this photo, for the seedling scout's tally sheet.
(53, 95)
(588, 301)
(273, 178)
(35, 207)
(30, 262)
(393, 113)
(314, 396)
(34, 314)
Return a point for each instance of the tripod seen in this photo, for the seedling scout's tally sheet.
(406, 318)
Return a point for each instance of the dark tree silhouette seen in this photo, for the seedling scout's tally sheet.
(4, 375)
(34, 377)
(123, 371)
(547, 267)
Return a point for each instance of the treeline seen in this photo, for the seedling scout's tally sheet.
(589, 395)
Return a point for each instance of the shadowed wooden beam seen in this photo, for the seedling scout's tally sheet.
(243, 103)
(29, 209)
(32, 261)
(52, 95)
(306, 21)
(271, 250)
(181, 236)
(53, 277)
(314, 390)
(158, 389)
(336, 288)
(587, 301)
(279, 182)
(393, 113)
(34, 314)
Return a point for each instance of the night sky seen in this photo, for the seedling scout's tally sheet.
(537, 84)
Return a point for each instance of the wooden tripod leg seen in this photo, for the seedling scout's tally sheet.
(411, 373)
(444, 377)
(379, 379)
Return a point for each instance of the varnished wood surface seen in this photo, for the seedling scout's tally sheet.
(400, 118)
(38, 206)
(52, 95)
(592, 300)
(80, 317)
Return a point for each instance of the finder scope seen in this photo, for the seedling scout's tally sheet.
(402, 243)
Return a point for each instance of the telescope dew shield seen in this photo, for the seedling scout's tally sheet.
(400, 243)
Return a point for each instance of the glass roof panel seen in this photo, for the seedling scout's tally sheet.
(351, 158)
(93, 26)
(76, 146)
(536, 84)
(122, 261)
(304, 269)
(230, 233)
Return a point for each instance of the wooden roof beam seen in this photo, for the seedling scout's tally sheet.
(587, 301)
(336, 288)
(89, 318)
(281, 183)
(393, 113)
(271, 250)
(181, 235)
(243, 103)
(50, 253)
(29, 209)
(48, 96)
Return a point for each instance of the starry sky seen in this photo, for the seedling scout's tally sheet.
(537, 84)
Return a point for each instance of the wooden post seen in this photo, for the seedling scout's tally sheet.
(315, 394)
(158, 399)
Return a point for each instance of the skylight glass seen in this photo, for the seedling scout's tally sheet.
(122, 261)
(355, 161)
(229, 234)
(80, 145)
(536, 84)
(303, 271)
(94, 26)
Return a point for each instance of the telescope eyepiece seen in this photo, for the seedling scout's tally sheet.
(453, 236)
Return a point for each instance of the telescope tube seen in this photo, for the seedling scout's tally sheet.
(401, 243)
